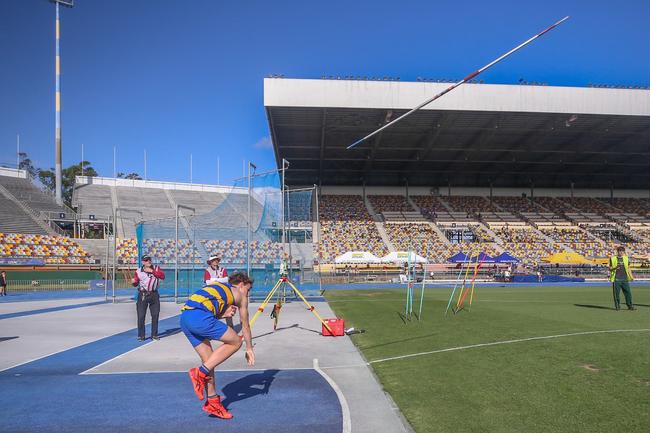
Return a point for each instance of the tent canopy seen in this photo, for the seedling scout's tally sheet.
(403, 257)
(458, 258)
(505, 258)
(357, 257)
(566, 258)
(482, 257)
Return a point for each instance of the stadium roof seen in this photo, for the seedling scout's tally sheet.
(480, 134)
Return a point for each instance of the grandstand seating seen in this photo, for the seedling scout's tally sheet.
(52, 249)
(233, 252)
(552, 204)
(632, 205)
(127, 251)
(470, 204)
(420, 238)
(526, 244)
(346, 225)
(578, 240)
(515, 204)
(589, 205)
(390, 203)
(164, 251)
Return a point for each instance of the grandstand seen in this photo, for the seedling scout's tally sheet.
(492, 167)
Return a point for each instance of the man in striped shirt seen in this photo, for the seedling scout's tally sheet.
(200, 324)
(146, 279)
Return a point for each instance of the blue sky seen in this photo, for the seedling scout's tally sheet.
(181, 77)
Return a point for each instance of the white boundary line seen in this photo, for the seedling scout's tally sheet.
(89, 372)
(345, 409)
(496, 343)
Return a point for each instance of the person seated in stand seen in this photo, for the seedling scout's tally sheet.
(214, 273)
(200, 323)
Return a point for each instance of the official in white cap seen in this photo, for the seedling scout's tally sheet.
(214, 273)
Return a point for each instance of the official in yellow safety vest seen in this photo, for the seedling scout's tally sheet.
(620, 276)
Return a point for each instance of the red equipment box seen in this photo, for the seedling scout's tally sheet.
(336, 325)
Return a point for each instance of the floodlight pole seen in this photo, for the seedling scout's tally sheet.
(453, 86)
(57, 104)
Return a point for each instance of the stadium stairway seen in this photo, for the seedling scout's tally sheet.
(445, 204)
(96, 248)
(384, 237)
(608, 205)
(371, 210)
(18, 218)
(551, 241)
(413, 205)
(497, 240)
(441, 235)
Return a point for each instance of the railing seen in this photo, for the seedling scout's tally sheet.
(43, 216)
(46, 285)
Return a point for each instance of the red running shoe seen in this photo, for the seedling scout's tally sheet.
(199, 381)
(214, 407)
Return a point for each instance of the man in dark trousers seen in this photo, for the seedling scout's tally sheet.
(146, 279)
(3, 283)
(620, 276)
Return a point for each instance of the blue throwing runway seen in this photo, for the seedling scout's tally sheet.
(49, 395)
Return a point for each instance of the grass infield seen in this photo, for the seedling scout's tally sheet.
(591, 383)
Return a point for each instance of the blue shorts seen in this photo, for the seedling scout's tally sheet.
(199, 325)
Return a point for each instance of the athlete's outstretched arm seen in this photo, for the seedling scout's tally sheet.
(246, 330)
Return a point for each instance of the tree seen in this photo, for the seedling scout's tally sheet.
(134, 176)
(26, 164)
(47, 178)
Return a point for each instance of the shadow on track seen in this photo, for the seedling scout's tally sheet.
(248, 386)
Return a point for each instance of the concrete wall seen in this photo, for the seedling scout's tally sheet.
(178, 186)
(13, 172)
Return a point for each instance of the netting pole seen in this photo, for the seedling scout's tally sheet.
(320, 282)
(114, 249)
(176, 259)
(108, 243)
(249, 224)
(289, 235)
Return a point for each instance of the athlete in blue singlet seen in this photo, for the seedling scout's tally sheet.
(200, 324)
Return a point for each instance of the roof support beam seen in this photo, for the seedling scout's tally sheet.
(322, 144)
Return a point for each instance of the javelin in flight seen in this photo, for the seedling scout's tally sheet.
(453, 86)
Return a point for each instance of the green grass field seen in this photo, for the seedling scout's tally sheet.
(592, 383)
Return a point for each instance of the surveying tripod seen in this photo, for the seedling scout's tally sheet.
(283, 282)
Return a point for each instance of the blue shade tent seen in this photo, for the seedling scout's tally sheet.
(505, 258)
(482, 257)
(458, 258)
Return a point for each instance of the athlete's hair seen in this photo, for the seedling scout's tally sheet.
(240, 277)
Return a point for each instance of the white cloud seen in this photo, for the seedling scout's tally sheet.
(264, 143)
